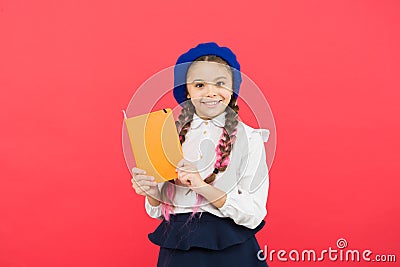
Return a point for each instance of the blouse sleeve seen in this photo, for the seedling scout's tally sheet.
(247, 205)
(153, 211)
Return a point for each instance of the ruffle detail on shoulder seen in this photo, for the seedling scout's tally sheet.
(205, 231)
(264, 133)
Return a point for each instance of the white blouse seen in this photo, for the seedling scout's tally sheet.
(245, 180)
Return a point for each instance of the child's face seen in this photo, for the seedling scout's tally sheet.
(209, 86)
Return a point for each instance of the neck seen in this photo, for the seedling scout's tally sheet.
(208, 118)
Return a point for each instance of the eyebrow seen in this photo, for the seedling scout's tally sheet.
(223, 77)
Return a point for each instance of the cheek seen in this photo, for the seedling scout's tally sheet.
(194, 94)
(195, 102)
(227, 97)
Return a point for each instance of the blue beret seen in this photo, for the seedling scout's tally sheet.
(211, 48)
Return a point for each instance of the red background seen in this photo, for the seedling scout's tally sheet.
(329, 70)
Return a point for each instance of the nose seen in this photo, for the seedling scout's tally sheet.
(211, 90)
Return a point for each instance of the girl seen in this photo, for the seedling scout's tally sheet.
(211, 212)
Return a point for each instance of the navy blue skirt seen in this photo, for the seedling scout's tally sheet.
(206, 241)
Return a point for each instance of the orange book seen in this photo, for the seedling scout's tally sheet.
(155, 143)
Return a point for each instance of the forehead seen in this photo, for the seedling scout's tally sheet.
(207, 70)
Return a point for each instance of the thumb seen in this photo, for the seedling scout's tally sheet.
(181, 163)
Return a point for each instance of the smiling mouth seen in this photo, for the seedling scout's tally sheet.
(211, 103)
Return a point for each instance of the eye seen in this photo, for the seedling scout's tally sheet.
(199, 84)
(220, 84)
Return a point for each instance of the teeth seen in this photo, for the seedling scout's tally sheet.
(211, 103)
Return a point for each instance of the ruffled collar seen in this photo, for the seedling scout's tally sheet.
(217, 121)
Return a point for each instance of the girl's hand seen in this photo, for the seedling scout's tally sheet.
(189, 176)
(144, 184)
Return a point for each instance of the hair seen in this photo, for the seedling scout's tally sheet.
(223, 149)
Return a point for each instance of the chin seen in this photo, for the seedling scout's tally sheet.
(210, 113)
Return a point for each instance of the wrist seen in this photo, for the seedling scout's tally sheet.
(153, 201)
(216, 196)
(201, 187)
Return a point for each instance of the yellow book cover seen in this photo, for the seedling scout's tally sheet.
(155, 143)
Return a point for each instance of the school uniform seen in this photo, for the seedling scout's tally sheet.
(217, 236)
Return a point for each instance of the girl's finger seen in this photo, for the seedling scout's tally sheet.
(184, 183)
(146, 182)
(139, 191)
(136, 171)
(144, 188)
(143, 177)
(178, 182)
(184, 179)
(137, 188)
(187, 167)
(182, 163)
